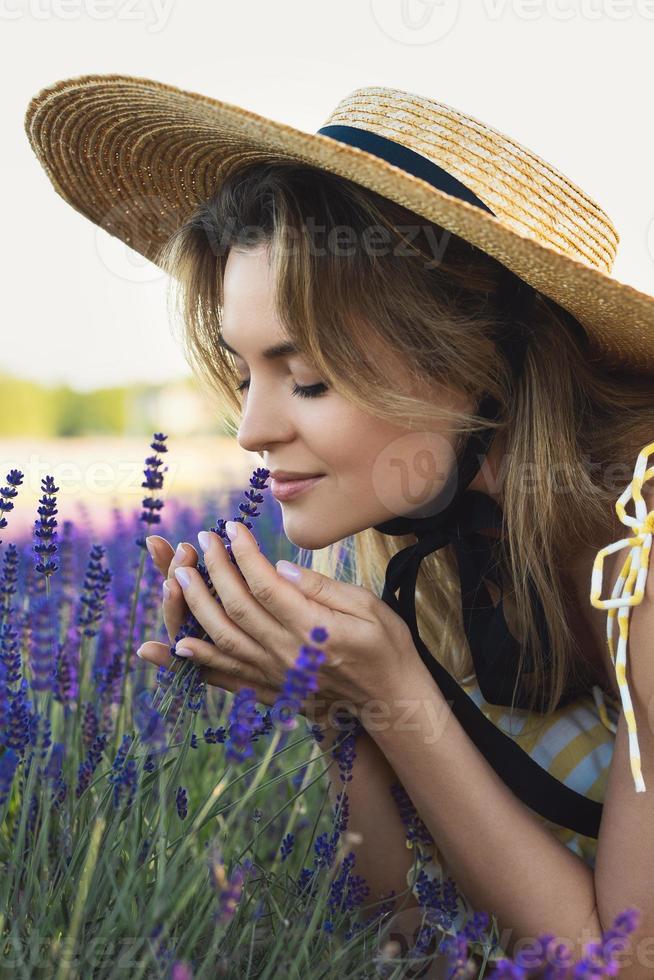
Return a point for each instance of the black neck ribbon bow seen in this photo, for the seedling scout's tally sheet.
(493, 649)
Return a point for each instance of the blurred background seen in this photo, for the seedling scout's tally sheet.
(89, 365)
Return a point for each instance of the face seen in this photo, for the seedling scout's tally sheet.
(372, 470)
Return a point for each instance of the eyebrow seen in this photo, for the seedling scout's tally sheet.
(270, 354)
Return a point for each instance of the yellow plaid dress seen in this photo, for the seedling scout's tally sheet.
(575, 744)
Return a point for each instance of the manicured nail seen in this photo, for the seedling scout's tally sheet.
(138, 652)
(166, 590)
(180, 554)
(150, 546)
(287, 570)
(183, 577)
(231, 529)
(183, 652)
(204, 539)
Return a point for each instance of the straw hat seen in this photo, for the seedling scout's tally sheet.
(135, 156)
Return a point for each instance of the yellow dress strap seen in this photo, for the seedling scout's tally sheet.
(628, 590)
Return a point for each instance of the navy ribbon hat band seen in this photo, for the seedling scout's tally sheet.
(408, 160)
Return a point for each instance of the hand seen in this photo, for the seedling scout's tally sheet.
(257, 629)
(175, 614)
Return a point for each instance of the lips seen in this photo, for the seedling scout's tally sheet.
(286, 489)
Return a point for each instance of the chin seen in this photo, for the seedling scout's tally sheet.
(310, 539)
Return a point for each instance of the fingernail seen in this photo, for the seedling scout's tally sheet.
(287, 570)
(183, 652)
(204, 539)
(182, 577)
(231, 529)
(150, 546)
(138, 652)
(180, 553)
(166, 590)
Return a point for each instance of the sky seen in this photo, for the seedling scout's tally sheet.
(570, 79)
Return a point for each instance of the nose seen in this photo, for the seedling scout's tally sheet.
(262, 423)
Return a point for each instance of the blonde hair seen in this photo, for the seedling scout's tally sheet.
(566, 411)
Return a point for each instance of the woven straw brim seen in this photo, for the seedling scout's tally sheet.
(136, 156)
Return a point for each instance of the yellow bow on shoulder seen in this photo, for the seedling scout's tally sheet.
(633, 573)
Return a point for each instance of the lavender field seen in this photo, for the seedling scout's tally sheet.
(154, 826)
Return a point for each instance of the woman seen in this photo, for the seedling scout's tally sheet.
(399, 332)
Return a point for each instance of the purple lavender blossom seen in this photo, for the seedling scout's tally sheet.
(8, 579)
(415, 828)
(123, 774)
(302, 678)
(181, 801)
(150, 722)
(65, 684)
(90, 764)
(42, 661)
(347, 891)
(599, 959)
(94, 591)
(8, 763)
(181, 970)
(10, 653)
(153, 481)
(229, 888)
(287, 845)
(244, 722)
(7, 494)
(17, 732)
(44, 529)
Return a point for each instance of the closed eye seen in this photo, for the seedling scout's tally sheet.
(302, 391)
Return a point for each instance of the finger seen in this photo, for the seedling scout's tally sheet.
(204, 655)
(175, 608)
(237, 609)
(166, 558)
(160, 551)
(278, 594)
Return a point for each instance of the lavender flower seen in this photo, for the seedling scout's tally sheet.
(181, 800)
(556, 959)
(7, 494)
(287, 845)
(600, 958)
(41, 659)
(343, 751)
(44, 528)
(229, 888)
(8, 763)
(123, 773)
(90, 764)
(150, 722)
(17, 734)
(302, 678)
(94, 591)
(415, 828)
(346, 892)
(212, 736)
(181, 970)
(153, 481)
(10, 653)
(8, 579)
(244, 722)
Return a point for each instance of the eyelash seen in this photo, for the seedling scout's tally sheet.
(302, 391)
